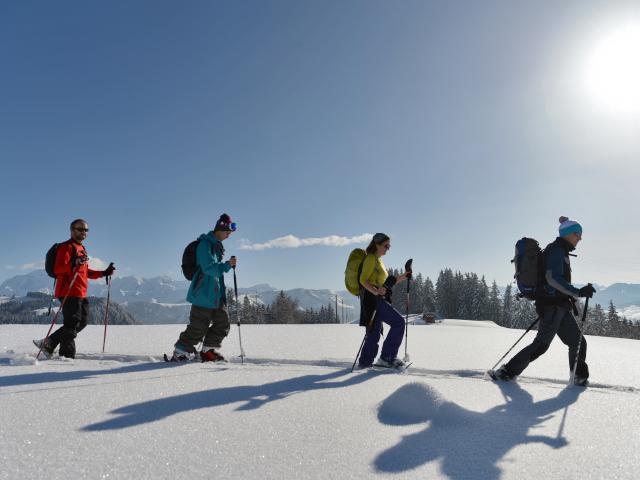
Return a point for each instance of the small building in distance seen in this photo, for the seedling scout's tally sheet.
(429, 317)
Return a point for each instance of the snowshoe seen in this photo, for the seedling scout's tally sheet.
(580, 381)
(394, 364)
(181, 356)
(500, 374)
(44, 346)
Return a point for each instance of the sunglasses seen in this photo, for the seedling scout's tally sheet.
(231, 226)
(386, 246)
(81, 229)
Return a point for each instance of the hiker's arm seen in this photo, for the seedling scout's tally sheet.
(402, 278)
(95, 274)
(555, 273)
(208, 262)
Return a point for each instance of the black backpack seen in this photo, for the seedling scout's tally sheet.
(50, 258)
(529, 264)
(189, 264)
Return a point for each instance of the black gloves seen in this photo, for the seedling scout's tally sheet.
(587, 291)
(109, 270)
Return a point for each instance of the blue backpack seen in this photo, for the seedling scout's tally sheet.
(528, 262)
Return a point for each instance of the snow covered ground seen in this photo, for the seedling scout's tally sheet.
(294, 411)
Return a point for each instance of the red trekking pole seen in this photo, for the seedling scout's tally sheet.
(55, 317)
(106, 313)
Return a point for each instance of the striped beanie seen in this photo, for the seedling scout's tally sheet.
(567, 227)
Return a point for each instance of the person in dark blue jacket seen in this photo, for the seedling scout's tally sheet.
(208, 319)
(556, 307)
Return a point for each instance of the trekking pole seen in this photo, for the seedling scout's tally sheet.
(55, 317)
(235, 287)
(106, 312)
(407, 268)
(363, 340)
(517, 341)
(575, 362)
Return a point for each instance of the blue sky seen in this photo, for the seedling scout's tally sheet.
(455, 127)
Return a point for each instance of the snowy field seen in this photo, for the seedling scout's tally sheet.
(294, 410)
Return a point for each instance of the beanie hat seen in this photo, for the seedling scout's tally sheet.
(224, 224)
(568, 227)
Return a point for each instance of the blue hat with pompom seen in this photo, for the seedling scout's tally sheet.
(567, 227)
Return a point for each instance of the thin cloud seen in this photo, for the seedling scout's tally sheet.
(291, 241)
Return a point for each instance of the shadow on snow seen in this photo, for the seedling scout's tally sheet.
(469, 444)
(73, 375)
(251, 397)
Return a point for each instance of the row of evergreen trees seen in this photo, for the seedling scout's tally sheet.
(468, 296)
(284, 309)
(460, 295)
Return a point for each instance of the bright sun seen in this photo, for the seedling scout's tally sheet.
(613, 70)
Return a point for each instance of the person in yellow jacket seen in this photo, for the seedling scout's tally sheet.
(375, 306)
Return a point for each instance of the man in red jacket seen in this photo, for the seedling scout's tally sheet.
(72, 279)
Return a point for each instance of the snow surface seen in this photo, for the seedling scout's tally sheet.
(294, 410)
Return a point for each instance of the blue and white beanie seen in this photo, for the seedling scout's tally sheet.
(567, 227)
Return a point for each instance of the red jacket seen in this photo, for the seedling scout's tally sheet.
(64, 270)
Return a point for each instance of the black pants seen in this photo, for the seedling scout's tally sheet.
(553, 319)
(76, 314)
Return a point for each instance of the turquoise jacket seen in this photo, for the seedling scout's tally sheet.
(207, 287)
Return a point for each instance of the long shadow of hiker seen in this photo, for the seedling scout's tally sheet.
(252, 396)
(469, 444)
(46, 377)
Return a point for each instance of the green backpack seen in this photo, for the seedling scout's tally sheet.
(353, 270)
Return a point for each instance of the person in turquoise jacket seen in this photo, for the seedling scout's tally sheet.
(208, 319)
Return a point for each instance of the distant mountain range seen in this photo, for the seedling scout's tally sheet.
(163, 289)
(34, 307)
(161, 299)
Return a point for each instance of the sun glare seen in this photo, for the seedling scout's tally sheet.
(613, 70)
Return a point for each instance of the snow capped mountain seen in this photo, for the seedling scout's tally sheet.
(36, 281)
(163, 300)
(162, 288)
(34, 308)
(135, 292)
(622, 295)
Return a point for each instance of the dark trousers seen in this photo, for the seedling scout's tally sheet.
(75, 312)
(212, 324)
(384, 313)
(553, 319)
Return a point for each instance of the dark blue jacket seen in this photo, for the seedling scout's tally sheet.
(557, 275)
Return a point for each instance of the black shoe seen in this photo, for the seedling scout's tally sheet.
(45, 346)
(580, 381)
(501, 374)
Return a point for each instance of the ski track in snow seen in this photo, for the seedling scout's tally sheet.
(295, 410)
